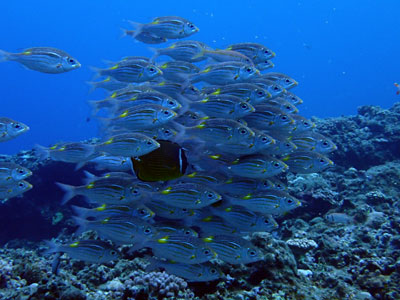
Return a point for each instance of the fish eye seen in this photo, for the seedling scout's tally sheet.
(288, 107)
(248, 70)
(210, 195)
(206, 252)
(252, 253)
(20, 171)
(290, 201)
(142, 212)
(167, 131)
(147, 230)
(287, 81)
(266, 221)
(135, 191)
(171, 102)
(17, 126)
(276, 88)
(277, 165)
(151, 69)
(113, 252)
(260, 93)
(325, 143)
(213, 271)
(184, 209)
(306, 123)
(284, 118)
(264, 140)
(21, 184)
(149, 143)
(244, 106)
(266, 51)
(322, 160)
(243, 131)
(187, 232)
(166, 112)
(191, 26)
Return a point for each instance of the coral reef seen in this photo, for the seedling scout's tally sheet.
(308, 257)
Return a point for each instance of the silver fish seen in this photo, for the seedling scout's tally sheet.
(43, 59)
(11, 173)
(270, 118)
(233, 249)
(128, 144)
(307, 162)
(10, 129)
(109, 84)
(270, 86)
(225, 73)
(109, 210)
(282, 79)
(184, 50)
(92, 251)
(14, 189)
(313, 141)
(256, 52)
(256, 166)
(169, 27)
(246, 91)
(145, 37)
(178, 71)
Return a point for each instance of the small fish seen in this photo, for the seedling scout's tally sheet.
(282, 79)
(191, 273)
(144, 116)
(77, 153)
(256, 52)
(233, 249)
(184, 51)
(226, 55)
(128, 144)
(43, 59)
(130, 91)
(112, 163)
(166, 132)
(221, 130)
(11, 173)
(181, 248)
(302, 124)
(164, 210)
(169, 27)
(165, 163)
(265, 65)
(271, 202)
(282, 147)
(105, 190)
(398, 88)
(176, 90)
(14, 189)
(339, 218)
(307, 162)
(257, 167)
(109, 84)
(225, 73)
(223, 106)
(292, 98)
(144, 37)
(187, 195)
(131, 71)
(178, 71)
(270, 86)
(10, 129)
(164, 229)
(268, 117)
(211, 224)
(91, 251)
(246, 220)
(109, 210)
(121, 230)
(146, 98)
(283, 105)
(239, 186)
(246, 91)
(313, 141)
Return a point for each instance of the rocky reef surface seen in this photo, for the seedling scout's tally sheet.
(353, 255)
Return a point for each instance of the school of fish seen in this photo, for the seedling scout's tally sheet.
(194, 144)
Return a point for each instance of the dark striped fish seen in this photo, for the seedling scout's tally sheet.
(256, 52)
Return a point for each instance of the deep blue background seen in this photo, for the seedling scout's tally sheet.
(343, 53)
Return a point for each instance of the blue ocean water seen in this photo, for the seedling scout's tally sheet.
(343, 53)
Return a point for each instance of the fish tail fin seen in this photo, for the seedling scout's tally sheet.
(104, 124)
(95, 106)
(156, 53)
(93, 86)
(98, 72)
(81, 212)
(82, 223)
(69, 191)
(4, 56)
(185, 102)
(180, 129)
(41, 152)
(200, 54)
(137, 28)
